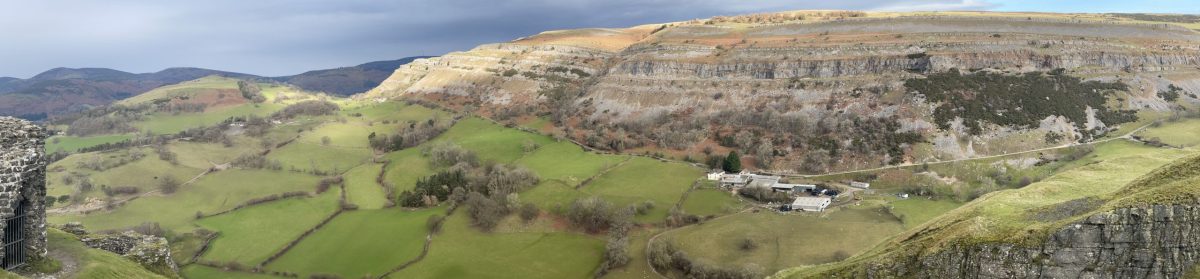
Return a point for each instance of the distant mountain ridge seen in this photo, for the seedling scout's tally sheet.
(346, 81)
(66, 90)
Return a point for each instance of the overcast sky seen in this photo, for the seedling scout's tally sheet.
(284, 37)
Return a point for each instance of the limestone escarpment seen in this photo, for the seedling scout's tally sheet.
(1160, 241)
(817, 74)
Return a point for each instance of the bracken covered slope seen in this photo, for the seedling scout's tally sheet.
(813, 91)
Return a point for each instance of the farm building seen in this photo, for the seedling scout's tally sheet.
(761, 181)
(792, 188)
(811, 203)
(860, 185)
(715, 175)
(733, 180)
(22, 192)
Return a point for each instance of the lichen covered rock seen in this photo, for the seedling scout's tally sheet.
(152, 252)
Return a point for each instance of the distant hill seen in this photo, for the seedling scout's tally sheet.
(347, 80)
(65, 90)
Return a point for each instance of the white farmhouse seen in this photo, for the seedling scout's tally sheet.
(715, 175)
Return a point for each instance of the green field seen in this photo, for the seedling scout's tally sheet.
(143, 174)
(204, 272)
(644, 179)
(212, 193)
(206, 155)
(250, 235)
(359, 243)
(73, 143)
(406, 167)
(637, 181)
(361, 188)
(347, 135)
(709, 201)
(785, 241)
(393, 111)
(917, 210)
(567, 163)
(461, 251)
(307, 156)
(165, 123)
(182, 89)
(1185, 133)
(491, 142)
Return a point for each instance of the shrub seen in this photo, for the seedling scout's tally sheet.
(168, 184)
(409, 136)
(528, 212)
(747, 244)
(256, 161)
(325, 183)
(449, 154)
(311, 107)
(678, 218)
(434, 223)
(485, 213)
(616, 252)
(120, 190)
(591, 214)
(1024, 100)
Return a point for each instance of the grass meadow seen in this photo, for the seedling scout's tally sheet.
(361, 188)
(359, 243)
(250, 235)
(461, 251)
(786, 240)
(212, 193)
(73, 143)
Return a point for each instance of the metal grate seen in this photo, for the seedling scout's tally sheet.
(14, 238)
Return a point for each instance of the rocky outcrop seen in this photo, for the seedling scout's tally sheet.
(150, 251)
(1161, 241)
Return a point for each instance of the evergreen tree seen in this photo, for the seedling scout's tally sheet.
(733, 162)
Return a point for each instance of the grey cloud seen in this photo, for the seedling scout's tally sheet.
(278, 37)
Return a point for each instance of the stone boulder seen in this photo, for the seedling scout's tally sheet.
(150, 251)
(75, 228)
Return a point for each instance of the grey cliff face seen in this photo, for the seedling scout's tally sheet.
(1161, 241)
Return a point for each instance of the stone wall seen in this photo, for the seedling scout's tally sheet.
(23, 178)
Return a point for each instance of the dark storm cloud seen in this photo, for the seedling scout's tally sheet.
(278, 37)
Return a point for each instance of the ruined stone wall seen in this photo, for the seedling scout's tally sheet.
(23, 178)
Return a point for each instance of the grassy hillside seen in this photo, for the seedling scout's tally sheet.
(341, 221)
(1118, 174)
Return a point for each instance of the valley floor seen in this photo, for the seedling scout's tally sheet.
(352, 229)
